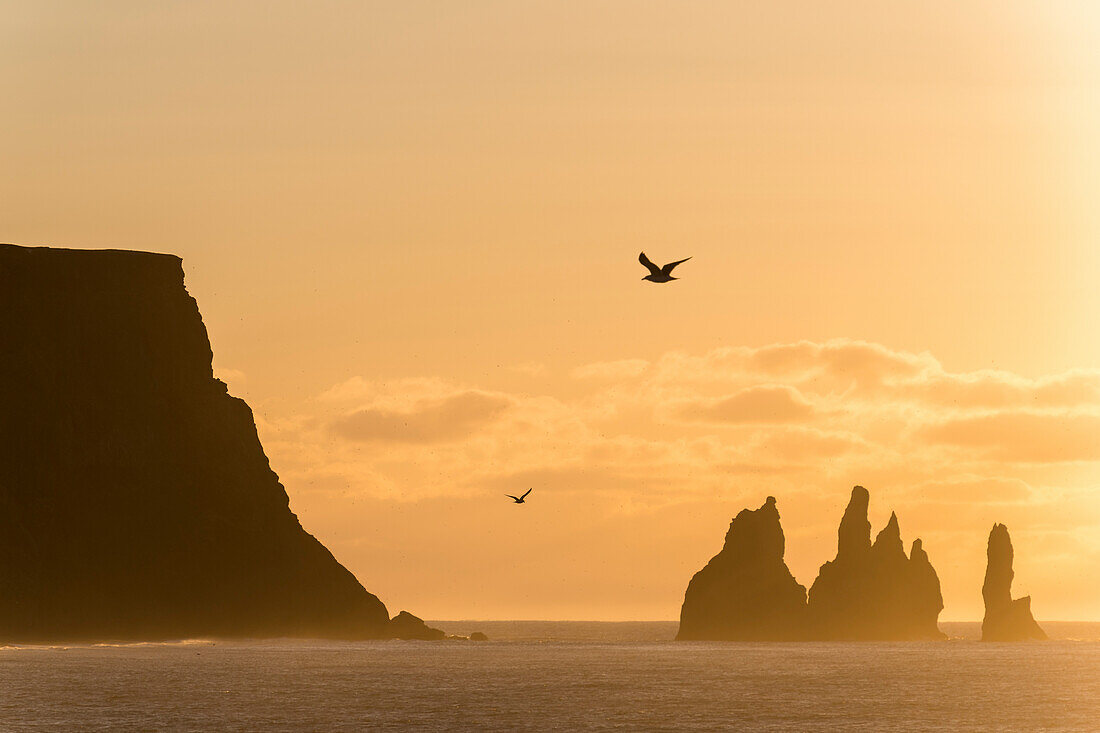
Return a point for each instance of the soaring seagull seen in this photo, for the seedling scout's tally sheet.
(519, 499)
(659, 274)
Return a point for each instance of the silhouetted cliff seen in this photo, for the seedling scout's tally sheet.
(870, 591)
(1005, 619)
(746, 591)
(873, 591)
(135, 499)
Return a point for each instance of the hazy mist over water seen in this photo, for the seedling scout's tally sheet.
(635, 631)
(558, 675)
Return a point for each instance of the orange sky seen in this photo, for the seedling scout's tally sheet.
(412, 229)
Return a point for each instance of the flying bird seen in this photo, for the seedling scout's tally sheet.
(519, 499)
(659, 274)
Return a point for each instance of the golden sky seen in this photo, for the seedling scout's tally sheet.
(412, 229)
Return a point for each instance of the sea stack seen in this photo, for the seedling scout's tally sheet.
(868, 592)
(746, 592)
(874, 591)
(136, 501)
(1005, 619)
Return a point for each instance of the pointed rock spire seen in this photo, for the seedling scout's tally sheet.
(924, 583)
(889, 539)
(1005, 619)
(997, 588)
(854, 535)
(874, 591)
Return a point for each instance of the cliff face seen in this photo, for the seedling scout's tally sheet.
(874, 591)
(1005, 619)
(746, 591)
(869, 592)
(135, 498)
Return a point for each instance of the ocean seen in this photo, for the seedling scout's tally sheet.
(536, 676)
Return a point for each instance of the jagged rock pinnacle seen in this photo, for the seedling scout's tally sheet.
(889, 539)
(874, 591)
(1005, 619)
(854, 534)
(746, 591)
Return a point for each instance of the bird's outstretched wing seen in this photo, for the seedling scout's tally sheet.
(525, 494)
(512, 497)
(667, 269)
(653, 269)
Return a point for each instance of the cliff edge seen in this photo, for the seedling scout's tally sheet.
(136, 501)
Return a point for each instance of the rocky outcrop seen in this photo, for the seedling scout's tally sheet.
(406, 626)
(874, 591)
(1005, 619)
(746, 591)
(136, 501)
(868, 592)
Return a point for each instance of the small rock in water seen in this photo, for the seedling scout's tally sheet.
(406, 626)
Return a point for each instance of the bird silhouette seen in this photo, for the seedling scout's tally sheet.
(659, 274)
(519, 499)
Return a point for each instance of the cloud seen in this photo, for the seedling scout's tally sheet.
(867, 363)
(967, 489)
(358, 389)
(759, 418)
(839, 363)
(863, 373)
(447, 419)
(761, 404)
(810, 444)
(1023, 436)
(998, 390)
(700, 436)
(623, 369)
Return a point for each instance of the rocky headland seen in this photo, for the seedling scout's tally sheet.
(136, 501)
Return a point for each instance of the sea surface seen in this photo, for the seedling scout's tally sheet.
(535, 675)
